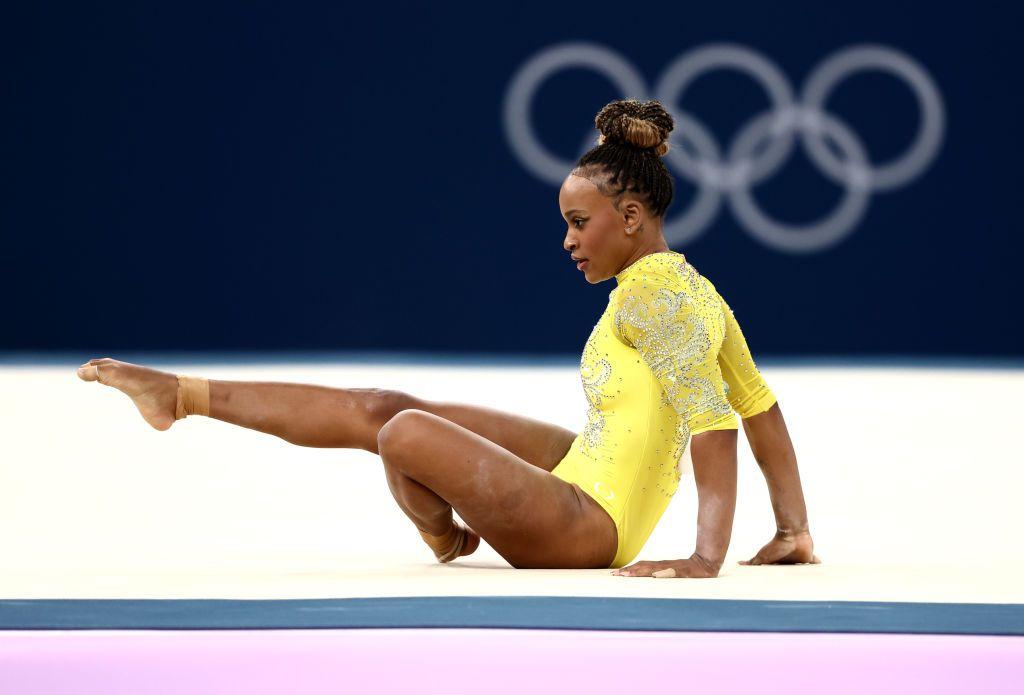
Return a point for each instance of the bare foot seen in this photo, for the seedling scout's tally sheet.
(154, 393)
(472, 542)
(786, 549)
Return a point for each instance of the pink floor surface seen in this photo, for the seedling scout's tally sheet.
(502, 661)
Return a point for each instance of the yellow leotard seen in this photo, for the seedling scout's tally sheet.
(665, 361)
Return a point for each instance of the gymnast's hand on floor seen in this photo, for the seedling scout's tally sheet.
(787, 548)
(694, 567)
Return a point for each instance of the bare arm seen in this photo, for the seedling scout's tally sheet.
(714, 470)
(773, 450)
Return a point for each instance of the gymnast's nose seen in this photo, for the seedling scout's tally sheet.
(569, 244)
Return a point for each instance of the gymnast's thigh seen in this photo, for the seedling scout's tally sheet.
(539, 443)
(602, 498)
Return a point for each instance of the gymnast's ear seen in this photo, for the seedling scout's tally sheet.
(633, 213)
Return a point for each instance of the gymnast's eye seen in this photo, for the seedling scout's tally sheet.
(575, 220)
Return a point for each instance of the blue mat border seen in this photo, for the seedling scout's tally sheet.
(523, 612)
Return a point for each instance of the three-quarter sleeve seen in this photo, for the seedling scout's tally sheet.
(748, 392)
(679, 340)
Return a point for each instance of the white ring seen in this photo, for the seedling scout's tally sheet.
(696, 156)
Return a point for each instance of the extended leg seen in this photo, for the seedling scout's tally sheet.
(321, 416)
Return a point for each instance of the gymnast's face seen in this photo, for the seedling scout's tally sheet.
(596, 230)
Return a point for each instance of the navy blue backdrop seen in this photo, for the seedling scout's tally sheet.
(264, 176)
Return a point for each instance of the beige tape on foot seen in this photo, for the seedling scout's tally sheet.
(193, 396)
(447, 547)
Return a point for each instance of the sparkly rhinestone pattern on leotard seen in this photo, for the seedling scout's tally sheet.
(651, 375)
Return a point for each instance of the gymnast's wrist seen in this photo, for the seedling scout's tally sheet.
(792, 530)
(790, 518)
(710, 564)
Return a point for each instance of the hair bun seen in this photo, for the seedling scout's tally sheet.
(642, 124)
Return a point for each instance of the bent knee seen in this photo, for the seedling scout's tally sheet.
(402, 426)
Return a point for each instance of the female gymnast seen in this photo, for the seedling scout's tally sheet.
(663, 368)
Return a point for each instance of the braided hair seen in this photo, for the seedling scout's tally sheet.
(634, 137)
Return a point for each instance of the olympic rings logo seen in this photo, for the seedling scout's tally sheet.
(746, 162)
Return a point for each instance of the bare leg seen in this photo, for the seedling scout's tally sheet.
(773, 449)
(425, 508)
(321, 416)
(303, 414)
(531, 518)
(306, 414)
